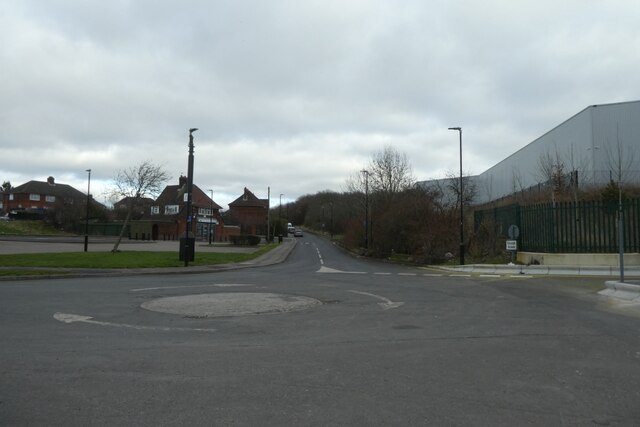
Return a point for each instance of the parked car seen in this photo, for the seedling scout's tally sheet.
(291, 229)
(297, 233)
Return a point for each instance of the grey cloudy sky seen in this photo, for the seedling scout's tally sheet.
(297, 95)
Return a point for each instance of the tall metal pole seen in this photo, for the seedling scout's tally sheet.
(280, 216)
(86, 223)
(621, 231)
(459, 129)
(332, 220)
(189, 198)
(366, 209)
(211, 218)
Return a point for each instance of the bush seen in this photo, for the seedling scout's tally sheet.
(245, 240)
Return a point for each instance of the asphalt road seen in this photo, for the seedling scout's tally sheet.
(341, 341)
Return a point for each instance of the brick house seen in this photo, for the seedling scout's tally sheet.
(250, 213)
(165, 218)
(38, 199)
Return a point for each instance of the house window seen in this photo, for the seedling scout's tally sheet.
(34, 197)
(11, 196)
(155, 210)
(50, 199)
(171, 209)
(204, 211)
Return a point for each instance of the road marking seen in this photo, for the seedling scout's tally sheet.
(490, 275)
(320, 256)
(72, 318)
(217, 285)
(433, 274)
(383, 274)
(407, 274)
(324, 269)
(521, 276)
(460, 275)
(386, 305)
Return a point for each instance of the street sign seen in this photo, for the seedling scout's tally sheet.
(512, 245)
(514, 231)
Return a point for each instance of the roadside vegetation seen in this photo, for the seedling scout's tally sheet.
(27, 228)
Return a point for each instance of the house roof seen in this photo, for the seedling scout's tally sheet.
(248, 199)
(49, 188)
(125, 201)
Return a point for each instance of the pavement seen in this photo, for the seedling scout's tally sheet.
(627, 289)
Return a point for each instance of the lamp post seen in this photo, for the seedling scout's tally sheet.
(280, 215)
(187, 252)
(331, 220)
(620, 230)
(211, 218)
(86, 220)
(459, 129)
(366, 209)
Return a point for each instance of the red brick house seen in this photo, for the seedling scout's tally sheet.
(250, 213)
(38, 199)
(166, 217)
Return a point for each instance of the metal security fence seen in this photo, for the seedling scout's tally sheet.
(583, 227)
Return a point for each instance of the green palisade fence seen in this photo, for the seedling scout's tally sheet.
(583, 227)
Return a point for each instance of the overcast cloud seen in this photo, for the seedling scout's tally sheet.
(297, 95)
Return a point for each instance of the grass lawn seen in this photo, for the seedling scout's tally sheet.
(125, 259)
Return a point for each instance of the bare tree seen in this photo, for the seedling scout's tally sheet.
(390, 171)
(620, 159)
(134, 183)
(469, 187)
(551, 170)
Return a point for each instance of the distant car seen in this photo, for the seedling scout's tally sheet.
(297, 233)
(291, 229)
(5, 217)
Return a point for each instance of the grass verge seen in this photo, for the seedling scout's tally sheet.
(125, 259)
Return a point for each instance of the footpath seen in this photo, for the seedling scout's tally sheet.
(628, 290)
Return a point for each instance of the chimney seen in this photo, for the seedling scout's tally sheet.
(182, 181)
(51, 181)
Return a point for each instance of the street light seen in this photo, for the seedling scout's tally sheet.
(86, 223)
(189, 199)
(280, 215)
(459, 129)
(210, 217)
(366, 209)
(331, 219)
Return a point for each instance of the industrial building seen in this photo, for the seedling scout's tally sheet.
(599, 144)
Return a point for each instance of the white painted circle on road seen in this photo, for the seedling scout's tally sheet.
(230, 304)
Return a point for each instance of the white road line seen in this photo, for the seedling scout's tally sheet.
(217, 285)
(459, 275)
(490, 275)
(433, 274)
(72, 318)
(407, 274)
(324, 269)
(383, 274)
(521, 276)
(386, 305)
